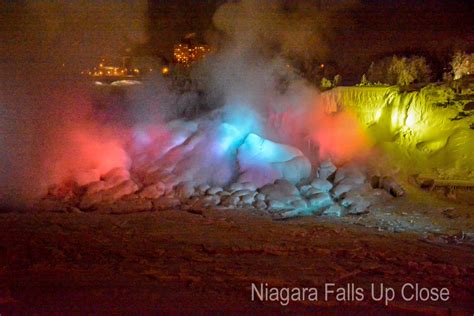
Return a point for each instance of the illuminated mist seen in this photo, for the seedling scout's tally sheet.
(52, 134)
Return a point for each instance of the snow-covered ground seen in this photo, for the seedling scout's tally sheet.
(205, 261)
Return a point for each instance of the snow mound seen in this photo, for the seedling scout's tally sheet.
(262, 161)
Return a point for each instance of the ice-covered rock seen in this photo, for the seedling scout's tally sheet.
(299, 204)
(260, 204)
(275, 205)
(122, 189)
(202, 189)
(262, 161)
(349, 175)
(230, 201)
(321, 185)
(166, 202)
(248, 199)
(359, 207)
(319, 200)
(115, 176)
(241, 193)
(260, 197)
(223, 193)
(152, 191)
(214, 190)
(304, 189)
(185, 190)
(326, 169)
(281, 190)
(155, 177)
(89, 200)
(334, 210)
(341, 189)
(210, 200)
(242, 186)
(94, 187)
(355, 202)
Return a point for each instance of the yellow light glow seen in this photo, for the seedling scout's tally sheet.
(394, 117)
(378, 114)
(411, 119)
(165, 70)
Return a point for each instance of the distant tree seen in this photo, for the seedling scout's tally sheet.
(337, 80)
(447, 76)
(462, 64)
(326, 83)
(364, 81)
(400, 70)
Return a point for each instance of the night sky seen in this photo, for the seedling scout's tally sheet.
(357, 32)
(361, 31)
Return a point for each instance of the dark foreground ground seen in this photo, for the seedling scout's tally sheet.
(172, 261)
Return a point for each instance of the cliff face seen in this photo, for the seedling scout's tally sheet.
(428, 131)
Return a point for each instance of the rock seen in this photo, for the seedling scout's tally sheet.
(299, 204)
(262, 161)
(241, 193)
(115, 177)
(326, 170)
(281, 190)
(214, 190)
(391, 186)
(95, 187)
(153, 191)
(236, 187)
(319, 200)
(116, 173)
(124, 188)
(249, 186)
(260, 197)
(248, 199)
(356, 203)
(334, 210)
(185, 190)
(89, 200)
(230, 201)
(164, 203)
(276, 205)
(304, 189)
(154, 177)
(223, 193)
(259, 204)
(342, 188)
(321, 185)
(311, 191)
(193, 201)
(202, 188)
(349, 175)
(84, 177)
(359, 207)
(210, 200)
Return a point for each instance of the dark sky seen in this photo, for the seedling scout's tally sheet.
(362, 31)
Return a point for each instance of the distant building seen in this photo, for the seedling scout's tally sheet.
(189, 50)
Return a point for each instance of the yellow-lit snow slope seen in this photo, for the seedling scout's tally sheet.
(424, 131)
